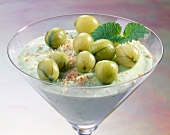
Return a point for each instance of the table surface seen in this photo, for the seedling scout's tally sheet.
(24, 112)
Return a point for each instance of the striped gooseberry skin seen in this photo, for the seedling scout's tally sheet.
(62, 60)
(48, 70)
(55, 37)
(102, 49)
(82, 42)
(106, 71)
(85, 61)
(127, 55)
(86, 23)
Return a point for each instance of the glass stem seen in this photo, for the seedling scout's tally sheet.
(84, 134)
(84, 130)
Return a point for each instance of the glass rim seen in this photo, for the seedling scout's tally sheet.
(82, 87)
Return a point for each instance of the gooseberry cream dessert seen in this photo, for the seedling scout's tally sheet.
(92, 55)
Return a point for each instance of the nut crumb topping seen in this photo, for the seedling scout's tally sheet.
(149, 56)
(31, 67)
(40, 47)
(26, 60)
(139, 75)
(70, 76)
(71, 36)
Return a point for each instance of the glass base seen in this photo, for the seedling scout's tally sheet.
(84, 130)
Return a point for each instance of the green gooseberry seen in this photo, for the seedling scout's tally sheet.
(86, 23)
(85, 61)
(127, 55)
(106, 71)
(102, 49)
(55, 37)
(62, 60)
(82, 42)
(48, 70)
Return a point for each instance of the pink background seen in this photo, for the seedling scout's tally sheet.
(24, 112)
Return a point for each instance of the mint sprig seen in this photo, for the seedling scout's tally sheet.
(112, 31)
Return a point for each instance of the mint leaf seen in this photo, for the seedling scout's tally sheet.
(112, 32)
(133, 31)
(109, 30)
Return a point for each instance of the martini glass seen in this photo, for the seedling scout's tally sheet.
(83, 107)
